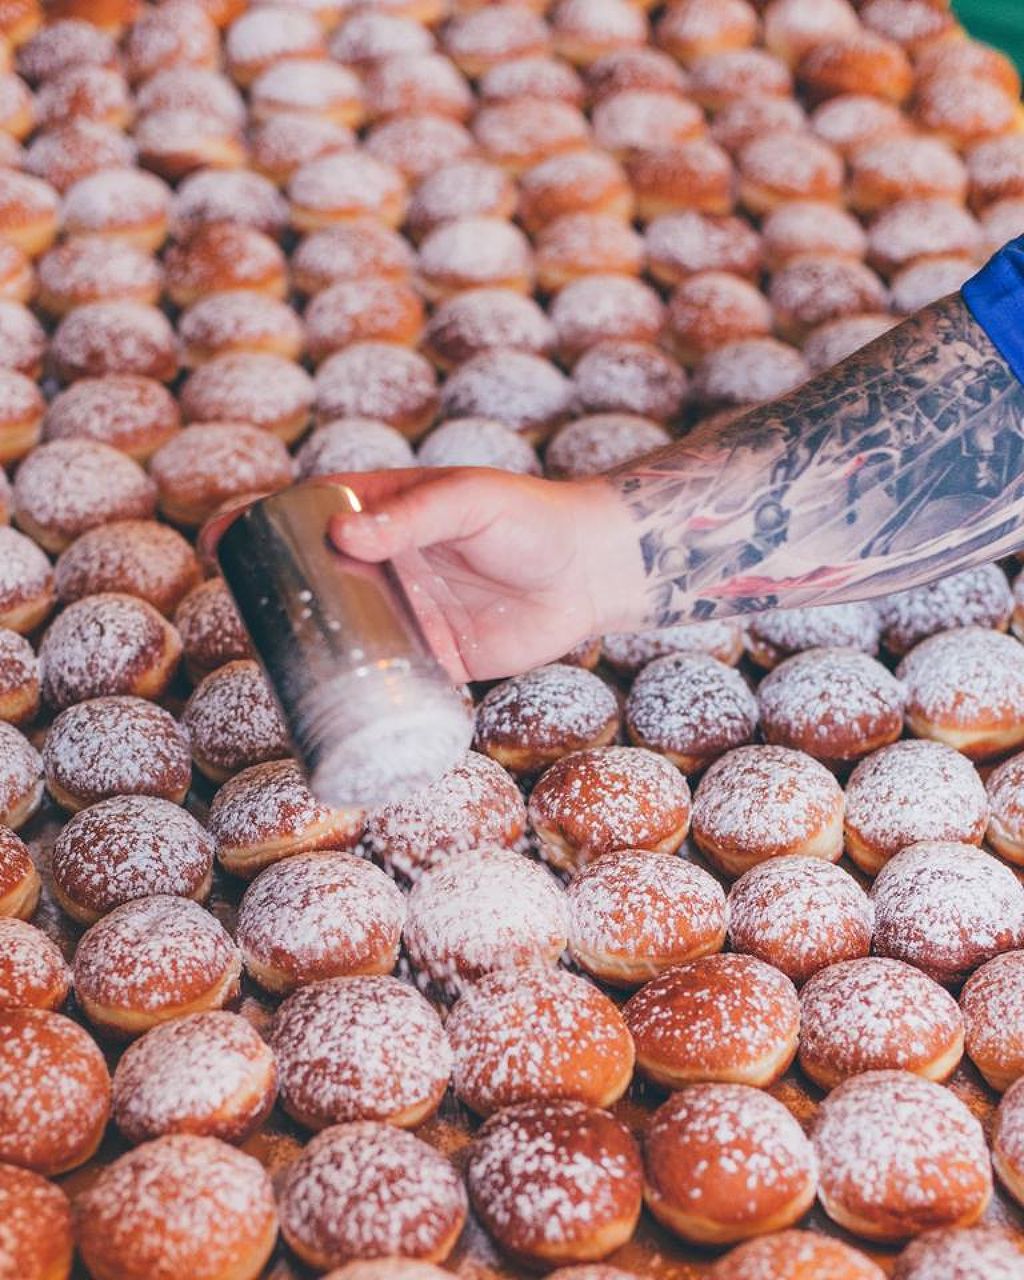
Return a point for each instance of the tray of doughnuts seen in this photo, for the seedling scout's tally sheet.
(708, 959)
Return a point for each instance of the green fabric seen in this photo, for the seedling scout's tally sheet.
(998, 22)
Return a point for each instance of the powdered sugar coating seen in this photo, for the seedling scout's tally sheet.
(354, 310)
(35, 1225)
(853, 120)
(1006, 798)
(534, 78)
(478, 442)
(521, 390)
(269, 35)
(178, 34)
(86, 270)
(744, 119)
(114, 337)
(975, 597)
(370, 36)
(478, 319)
(21, 403)
(33, 974)
(239, 320)
(899, 167)
(117, 746)
(913, 229)
(474, 252)
(83, 93)
(19, 677)
(817, 288)
(616, 377)
(305, 85)
(233, 720)
(369, 1190)
(353, 444)
(209, 462)
(466, 188)
(584, 243)
(597, 307)
(749, 371)
(16, 866)
(925, 282)
(570, 182)
(21, 775)
(26, 199)
(764, 1257)
(123, 410)
(280, 146)
(128, 847)
(240, 198)
(969, 678)
(837, 339)
(957, 1253)
(495, 34)
(403, 82)
(782, 632)
(211, 630)
(714, 307)
(636, 118)
(360, 1048)
(183, 88)
(488, 910)
(996, 170)
(75, 149)
(22, 338)
(629, 652)
(599, 442)
(247, 386)
(25, 572)
(350, 252)
(376, 380)
(552, 707)
(347, 183)
(992, 1002)
(62, 44)
(720, 78)
(417, 144)
(321, 915)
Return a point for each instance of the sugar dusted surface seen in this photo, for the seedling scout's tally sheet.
(979, 597)
(113, 337)
(345, 181)
(182, 88)
(691, 703)
(210, 461)
(24, 569)
(521, 390)
(478, 442)
(838, 625)
(993, 1007)
(267, 34)
(370, 36)
(914, 229)
(351, 252)
(265, 802)
(749, 371)
(30, 965)
(35, 1221)
(966, 676)
(481, 318)
(233, 719)
(374, 380)
(211, 630)
(475, 251)
(598, 442)
(245, 386)
(465, 188)
(238, 317)
(633, 650)
(925, 282)
(21, 768)
(111, 410)
(235, 197)
(353, 444)
(550, 706)
(19, 667)
(837, 339)
(596, 307)
(957, 1254)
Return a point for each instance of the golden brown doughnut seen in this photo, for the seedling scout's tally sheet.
(478, 442)
(264, 390)
(1004, 829)
(371, 35)
(118, 205)
(474, 252)
(479, 40)
(522, 132)
(711, 308)
(224, 256)
(239, 320)
(811, 228)
(175, 141)
(210, 1074)
(794, 27)
(598, 442)
(574, 182)
(693, 29)
(585, 30)
(629, 652)
(795, 1255)
(340, 187)
(233, 721)
(229, 200)
(994, 1019)
(633, 69)
(184, 88)
(995, 171)
(19, 679)
(114, 337)
(974, 597)
(633, 119)
(832, 342)
(861, 62)
(91, 270)
(696, 175)
(211, 630)
(417, 144)
(723, 1162)
(964, 111)
(54, 1092)
(685, 244)
(262, 37)
(593, 309)
(23, 340)
(537, 79)
(780, 633)
(377, 380)
(850, 121)
(578, 245)
(28, 212)
(916, 231)
(62, 44)
(748, 118)
(630, 378)
(83, 93)
(915, 24)
(363, 311)
(970, 58)
(463, 188)
(1007, 1143)
(19, 881)
(723, 78)
(179, 34)
(310, 87)
(955, 1250)
(17, 278)
(469, 323)
(411, 82)
(776, 168)
(37, 1225)
(905, 168)
(748, 371)
(357, 251)
(353, 444)
(133, 414)
(70, 151)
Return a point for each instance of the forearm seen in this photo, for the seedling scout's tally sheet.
(903, 463)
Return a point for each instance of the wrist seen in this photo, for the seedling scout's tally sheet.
(610, 557)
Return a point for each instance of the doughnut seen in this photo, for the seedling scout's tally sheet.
(748, 371)
(1004, 829)
(530, 721)
(381, 381)
(974, 597)
(128, 847)
(115, 747)
(796, 1255)
(598, 442)
(963, 111)
(574, 182)
(210, 462)
(813, 228)
(474, 805)
(696, 175)
(711, 308)
(971, 58)
(837, 705)
(487, 910)
(21, 415)
(719, 79)
(536, 79)
(362, 250)
(28, 212)
(340, 187)
(898, 1155)
(233, 721)
(995, 171)
(175, 35)
(211, 630)
(17, 106)
(779, 167)
(994, 1019)
(633, 69)
(629, 652)
(151, 960)
(632, 378)
(264, 390)
(20, 19)
(524, 391)
(83, 93)
(598, 308)
(370, 1190)
(281, 145)
(370, 36)
(723, 1162)
(92, 270)
(915, 24)
(130, 413)
(316, 916)
(363, 311)
(861, 62)
(17, 278)
(947, 907)
(185, 88)
(353, 444)
(19, 880)
(681, 245)
(66, 43)
(815, 289)
(37, 1226)
(780, 633)
(919, 230)
(471, 253)
(390, 1269)
(478, 41)
(1007, 1143)
(633, 119)
(959, 1252)
(133, 557)
(183, 1204)
(468, 323)
(54, 1092)
(693, 29)
(832, 342)
(800, 914)
(402, 85)
(23, 340)
(794, 27)
(909, 792)
(720, 1018)
(555, 1182)
(19, 679)
(905, 168)
(536, 1035)
(309, 87)
(174, 142)
(118, 205)
(585, 30)
(875, 1014)
(265, 36)
(691, 708)
(267, 812)
(73, 150)
(416, 145)
(748, 118)
(854, 120)
(104, 645)
(518, 134)
(223, 256)
(360, 1048)
(478, 442)
(67, 487)
(114, 337)
(239, 320)
(209, 1074)
(635, 914)
(210, 206)
(465, 188)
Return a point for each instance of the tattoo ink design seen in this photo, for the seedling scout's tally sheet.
(903, 463)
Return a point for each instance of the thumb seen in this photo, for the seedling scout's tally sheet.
(421, 516)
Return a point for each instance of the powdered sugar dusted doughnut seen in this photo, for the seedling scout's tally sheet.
(992, 1003)
(258, 39)
(267, 812)
(181, 1203)
(114, 337)
(175, 142)
(397, 86)
(371, 36)
(898, 1155)
(22, 339)
(463, 326)
(239, 320)
(310, 87)
(473, 253)
(540, 78)
(21, 415)
(778, 167)
(479, 40)
(19, 880)
(340, 187)
(478, 442)
(26, 582)
(465, 188)
(853, 120)
(585, 31)
(915, 230)
(180, 35)
(599, 441)
(634, 914)
(521, 390)
(859, 62)
(718, 79)
(1008, 1142)
(353, 444)
(360, 1048)
(925, 282)
(37, 1225)
(28, 212)
(812, 1255)
(749, 371)
(492, 909)
(577, 245)
(184, 88)
(381, 381)
(319, 915)
(814, 289)
(947, 908)
(219, 256)
(995, 170)
(965, 687)
(726, 1018)
(115, 746)
(63, 44)
(576, 182)
(21, 792)
(118, 204)
(631, 378)
(33, 972)
(207, 1073)
(19, 679)
(363, 311)
(904, 168)
(134, 557)
(712, 308)
(633, 69)
(134, 414)
(1005, 787)
(265, 390)
(793, 27)
(555, 1182)
(745, 119)
(779, 633)
(72, 150)
(211, 630)
(233, 721)
(280, 146)
(958, 1252)
(630, 652)
(92, 269)
(837, 339)
(537, 1034)
(724, 1161)
(129, 847)
(369, 1190)
(596, 308)
(17, 278)
(54, 1092)
(697, 28)
(415, 145)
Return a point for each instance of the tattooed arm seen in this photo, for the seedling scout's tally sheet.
(901, 464)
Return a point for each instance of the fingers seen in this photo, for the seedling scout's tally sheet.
(405, 510)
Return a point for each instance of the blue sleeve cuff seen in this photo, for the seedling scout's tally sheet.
(995, 298)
